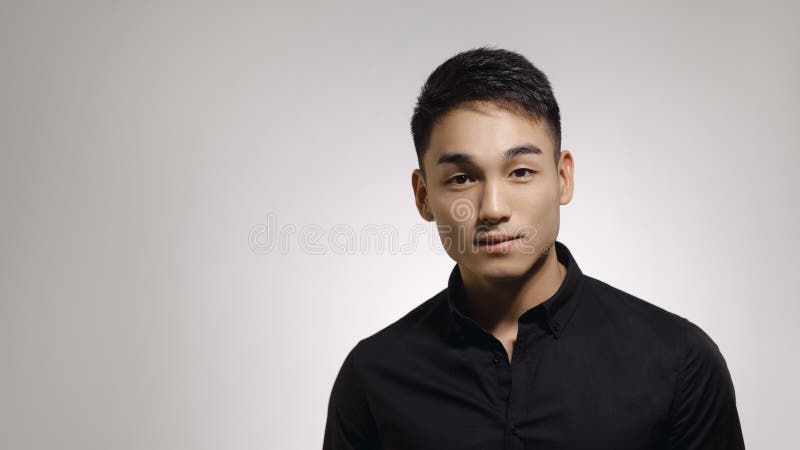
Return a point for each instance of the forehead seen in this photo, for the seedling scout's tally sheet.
(485, 130)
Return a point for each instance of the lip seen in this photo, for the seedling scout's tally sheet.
(494, 238)
(496, 244)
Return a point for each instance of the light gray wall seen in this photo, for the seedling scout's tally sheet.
(146, 147)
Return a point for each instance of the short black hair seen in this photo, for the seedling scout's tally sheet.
(502, 77)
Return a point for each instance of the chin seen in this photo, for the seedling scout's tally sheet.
(498, 269)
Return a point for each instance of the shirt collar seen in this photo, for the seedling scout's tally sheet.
(554, 312)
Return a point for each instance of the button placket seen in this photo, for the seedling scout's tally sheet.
(496, 359)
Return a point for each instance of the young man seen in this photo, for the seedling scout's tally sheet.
(521, 350)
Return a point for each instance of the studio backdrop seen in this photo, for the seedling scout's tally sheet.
(205, 205)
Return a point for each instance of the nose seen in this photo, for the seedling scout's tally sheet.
(493, 207)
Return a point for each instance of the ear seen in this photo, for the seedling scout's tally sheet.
(565, 177)
(421, 195)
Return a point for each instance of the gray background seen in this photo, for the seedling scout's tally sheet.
(145, 146)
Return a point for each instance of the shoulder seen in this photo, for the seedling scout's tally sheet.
(616, 301)
(703, 412)
(629, 313)
(702, 360)
(637, 318)
(647, 326)
(423, 321)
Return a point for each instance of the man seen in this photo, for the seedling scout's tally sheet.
(521, 350)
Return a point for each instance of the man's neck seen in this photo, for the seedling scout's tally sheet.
(497, 306)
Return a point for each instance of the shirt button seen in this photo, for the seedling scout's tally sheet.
(514, 430)
(496, 360)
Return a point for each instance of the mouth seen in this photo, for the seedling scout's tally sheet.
(493, 239)
(496, 243)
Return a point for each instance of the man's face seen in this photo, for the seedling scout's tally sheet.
(491, 172)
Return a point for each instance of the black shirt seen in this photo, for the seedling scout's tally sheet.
(593, 367)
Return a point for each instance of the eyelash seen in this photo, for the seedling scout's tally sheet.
(450, 181)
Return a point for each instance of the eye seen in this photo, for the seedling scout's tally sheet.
(522, 172)
(458, 179)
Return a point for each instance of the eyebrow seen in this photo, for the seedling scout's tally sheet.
(511, 153)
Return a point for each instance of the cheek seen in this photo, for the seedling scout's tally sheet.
(540, 197)
(548, 223)
(462, 211)
(455, 210)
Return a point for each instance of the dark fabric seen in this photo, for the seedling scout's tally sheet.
(593, 367)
